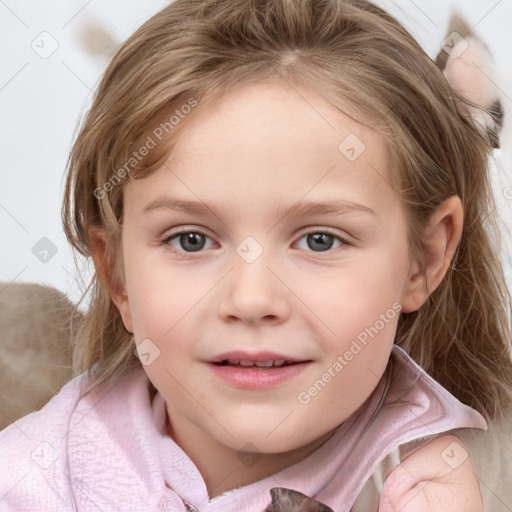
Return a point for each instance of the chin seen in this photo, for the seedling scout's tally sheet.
(265, 440)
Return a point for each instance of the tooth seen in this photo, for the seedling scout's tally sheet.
(279, 362)
(246, 363)
(266, 364)
(233, 361)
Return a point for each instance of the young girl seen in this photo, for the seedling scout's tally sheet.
(339, 314)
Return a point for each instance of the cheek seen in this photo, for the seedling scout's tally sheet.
(159, 310)
(354, 298)
(355, 359)
(164, 300)
(360, 307)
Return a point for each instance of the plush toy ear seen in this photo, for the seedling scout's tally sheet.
(467, 64)
(96, 38)
(288, 500)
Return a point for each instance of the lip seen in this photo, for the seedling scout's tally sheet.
(256, 378)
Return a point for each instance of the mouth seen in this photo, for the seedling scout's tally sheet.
(264, 360)
(257, 365)
(258, 370)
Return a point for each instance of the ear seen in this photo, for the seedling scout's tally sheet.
(105, 269)
(441, 238)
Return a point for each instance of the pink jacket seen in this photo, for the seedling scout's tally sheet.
(108, 451)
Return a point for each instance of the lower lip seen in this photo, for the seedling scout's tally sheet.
(251, 378)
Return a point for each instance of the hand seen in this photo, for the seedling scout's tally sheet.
(438, 477)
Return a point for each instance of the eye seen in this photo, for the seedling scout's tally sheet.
(322, 241)
(195, 241)
(190, 241)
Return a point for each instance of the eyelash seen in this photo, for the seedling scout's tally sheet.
(166, 241)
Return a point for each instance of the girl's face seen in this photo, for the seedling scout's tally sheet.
(297, 250)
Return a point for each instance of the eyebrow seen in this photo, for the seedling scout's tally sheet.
(301, 208)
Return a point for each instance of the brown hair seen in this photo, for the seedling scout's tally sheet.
(365, 63)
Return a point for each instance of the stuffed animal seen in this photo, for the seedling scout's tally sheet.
(35, 350)
(288, 500)
(467, 64)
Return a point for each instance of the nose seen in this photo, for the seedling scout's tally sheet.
(253, 293)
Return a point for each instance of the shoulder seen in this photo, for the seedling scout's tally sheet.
(437, 477)
(47, 419)
(32, 451)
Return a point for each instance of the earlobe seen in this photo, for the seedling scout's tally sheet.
(105, 270)
(123, 305)
(441, 238)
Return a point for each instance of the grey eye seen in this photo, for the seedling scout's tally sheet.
(189, 241)
(320, 242)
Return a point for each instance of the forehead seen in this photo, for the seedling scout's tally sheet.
(269, 140)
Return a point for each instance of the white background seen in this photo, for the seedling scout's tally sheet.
(41, 101)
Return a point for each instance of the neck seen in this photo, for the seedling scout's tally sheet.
(223, 468)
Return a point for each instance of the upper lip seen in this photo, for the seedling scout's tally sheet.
(240, 355)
